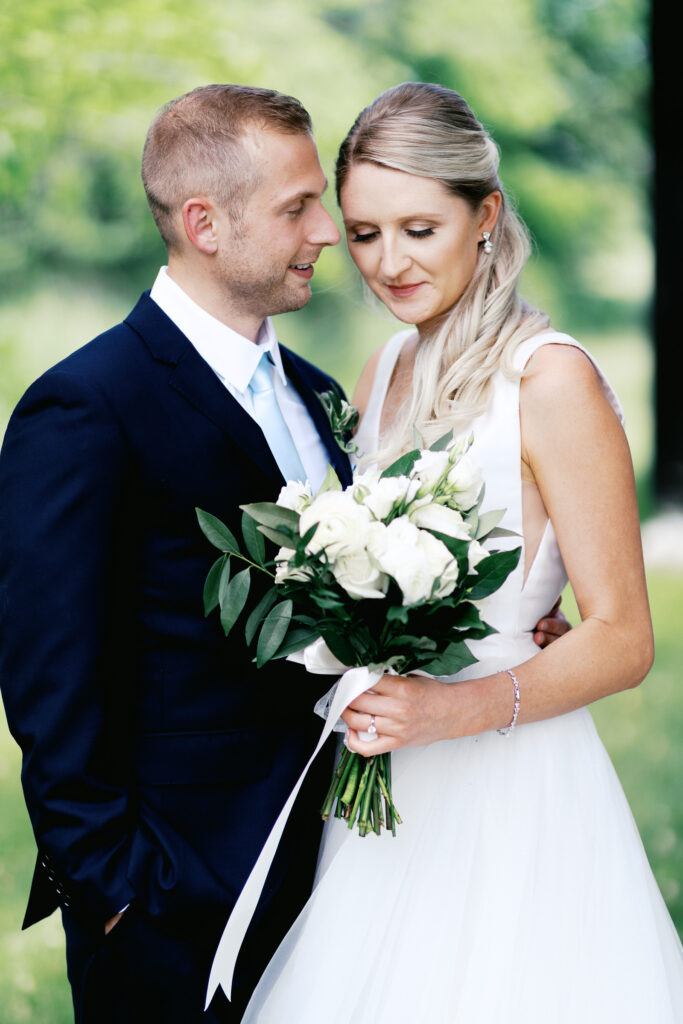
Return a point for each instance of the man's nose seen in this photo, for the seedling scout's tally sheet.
(325, 231)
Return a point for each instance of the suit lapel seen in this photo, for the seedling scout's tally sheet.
(192, 378)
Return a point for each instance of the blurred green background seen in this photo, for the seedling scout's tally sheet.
(562, 84)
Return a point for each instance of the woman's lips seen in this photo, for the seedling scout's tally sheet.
(404, 290)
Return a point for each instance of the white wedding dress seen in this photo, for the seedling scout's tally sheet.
(517, 890)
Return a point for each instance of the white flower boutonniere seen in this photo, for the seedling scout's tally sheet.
(343, 419)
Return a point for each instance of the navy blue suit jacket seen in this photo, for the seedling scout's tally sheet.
(155, 756)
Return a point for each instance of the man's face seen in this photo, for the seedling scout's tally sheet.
(266, 259)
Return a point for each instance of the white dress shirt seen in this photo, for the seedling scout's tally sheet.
(233, 358)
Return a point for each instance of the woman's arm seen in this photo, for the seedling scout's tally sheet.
(576, 448)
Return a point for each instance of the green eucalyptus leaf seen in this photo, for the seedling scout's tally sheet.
(259, 613)
(456, 657)
(493, 571)
(442, 443)
(253, 539)
(217, 532)
(283, 540)
(487, 521)
(500, 531)
(234, 598)
(472, 521)
(467, 616)
(295, 641)
(273, 631)
(269, 514)
(397, 613)
(340, 647)
(402, 466)
(212, 584)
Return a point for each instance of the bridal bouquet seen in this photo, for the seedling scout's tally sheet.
(385, 573)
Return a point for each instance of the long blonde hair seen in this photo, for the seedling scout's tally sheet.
(430, 131)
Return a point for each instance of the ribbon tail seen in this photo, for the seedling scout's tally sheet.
(351, 684)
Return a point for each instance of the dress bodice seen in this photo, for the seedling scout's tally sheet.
(530, 591)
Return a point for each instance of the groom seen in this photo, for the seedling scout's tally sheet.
(155, 757)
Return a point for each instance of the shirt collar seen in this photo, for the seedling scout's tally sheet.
(230, 355)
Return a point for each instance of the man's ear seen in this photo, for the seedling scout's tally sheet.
(199, 221)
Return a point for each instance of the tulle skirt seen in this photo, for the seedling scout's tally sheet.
(517, 892)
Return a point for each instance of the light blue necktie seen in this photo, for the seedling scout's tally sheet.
(269, 417)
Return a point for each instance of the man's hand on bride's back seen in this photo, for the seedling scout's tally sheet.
(552, 626)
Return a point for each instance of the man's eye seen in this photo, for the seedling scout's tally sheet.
(422, 233)
(367, 237)
(297, 212)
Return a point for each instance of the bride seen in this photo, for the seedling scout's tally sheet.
(517, 890)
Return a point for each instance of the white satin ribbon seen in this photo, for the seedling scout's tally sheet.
(354, 682)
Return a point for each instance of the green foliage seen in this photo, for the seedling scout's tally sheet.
(85, 79)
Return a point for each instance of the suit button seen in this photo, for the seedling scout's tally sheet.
(66, 903)
(51, 875)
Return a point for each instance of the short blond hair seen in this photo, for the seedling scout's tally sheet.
(194, 147)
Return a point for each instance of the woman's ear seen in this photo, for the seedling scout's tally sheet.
(489, 211)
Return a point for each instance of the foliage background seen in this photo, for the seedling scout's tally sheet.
(562, 84)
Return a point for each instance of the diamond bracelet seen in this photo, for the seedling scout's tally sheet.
(515, 711)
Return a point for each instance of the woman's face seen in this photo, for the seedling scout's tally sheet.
(414, 242)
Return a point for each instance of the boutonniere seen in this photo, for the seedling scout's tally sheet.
(343, 419)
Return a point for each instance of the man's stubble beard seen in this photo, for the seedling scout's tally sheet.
(261, 291)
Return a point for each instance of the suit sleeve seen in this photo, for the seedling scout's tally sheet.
(62, 479)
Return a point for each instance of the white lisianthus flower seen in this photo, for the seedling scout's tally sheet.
(464, 483)
(459, 446)
(284, 572)
(386, 494)
(342, 523)
(295, 496)
(431, 469)
(440, 519)
(475, 554)
(415, 559)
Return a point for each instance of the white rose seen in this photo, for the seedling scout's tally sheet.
(440, 519)
(475, 554)
(342, 523)
(431, 468)
(295, 496)
(415, 559)
(358, 574)
(465, 482)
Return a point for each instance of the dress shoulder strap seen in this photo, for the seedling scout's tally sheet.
(527, 348)
(367, 435)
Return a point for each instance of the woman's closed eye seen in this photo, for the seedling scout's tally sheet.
(368, 236)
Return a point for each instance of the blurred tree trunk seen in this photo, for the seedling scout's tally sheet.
(668, 215)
